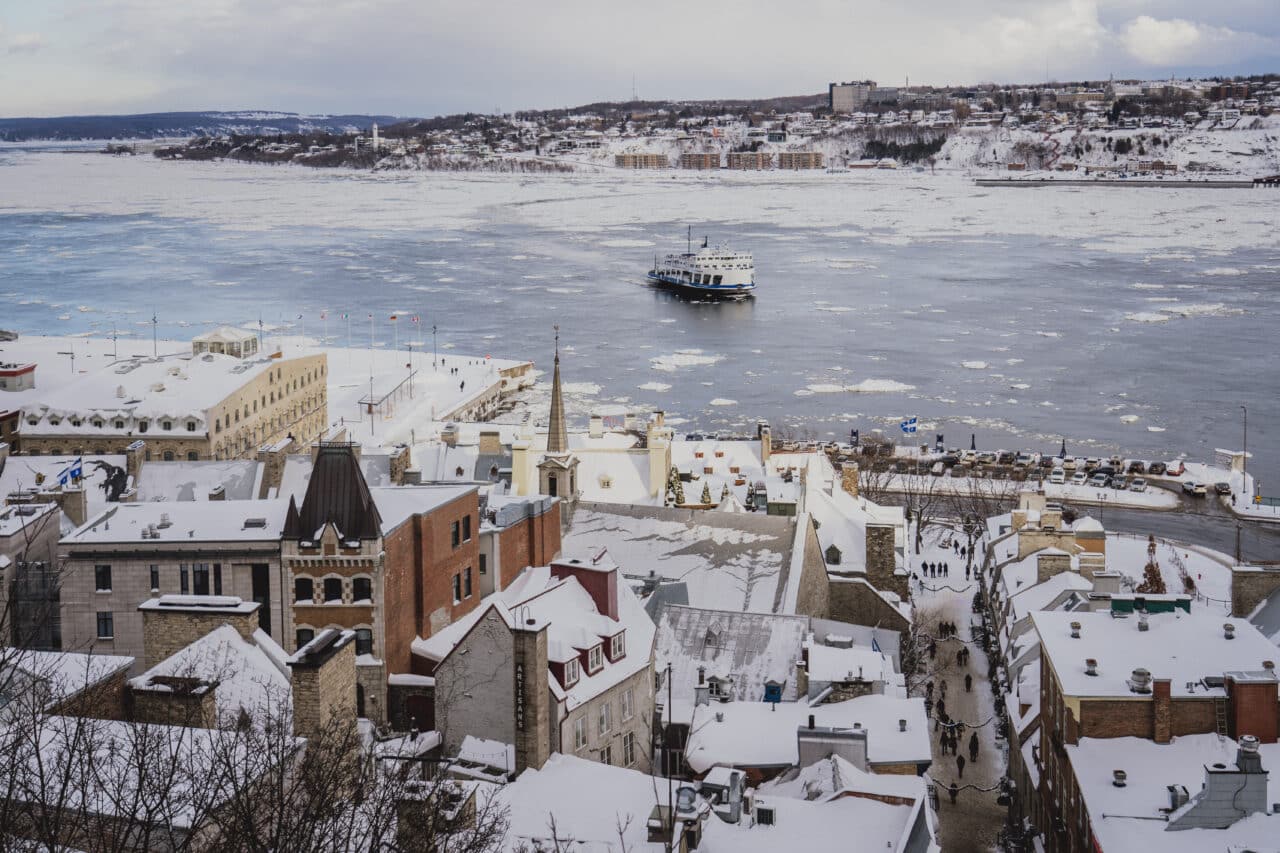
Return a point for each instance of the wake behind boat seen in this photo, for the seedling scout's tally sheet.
(715, 271)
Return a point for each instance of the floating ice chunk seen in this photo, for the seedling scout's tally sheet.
(655, 386)
(879, 386)
(721, 401)
(974, 365)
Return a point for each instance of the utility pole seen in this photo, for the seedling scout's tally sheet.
(434, 352)
(155, 342)
(71, 353)
(1244, 462)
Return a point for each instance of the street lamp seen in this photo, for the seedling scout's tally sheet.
(434, 358)
(1244, 462)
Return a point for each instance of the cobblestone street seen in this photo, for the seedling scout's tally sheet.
(973, 822)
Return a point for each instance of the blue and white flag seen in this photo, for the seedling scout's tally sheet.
(909, 425)
(77, 468)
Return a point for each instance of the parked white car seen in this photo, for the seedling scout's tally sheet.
(1057, 476)
(1079, 478)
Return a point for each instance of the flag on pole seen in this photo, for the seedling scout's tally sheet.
(414, 318)
(909, 425)
(77, 468)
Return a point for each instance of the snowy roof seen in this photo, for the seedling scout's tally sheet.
(758, 734)
(590, 800)
(575, 623)
(828, 663)
(729, 561)
(621, 478)
(491, 753)
(1040, 596)
(249, 677)
(184, 521)
(15, 517)
(376, 468)
(814, 827)
(751, 647)
(173, 386)
(1134, 817)
(192, 481)
(19, 474)
(62, 674)
(397, 503)
(834, 776)
(1182, 647)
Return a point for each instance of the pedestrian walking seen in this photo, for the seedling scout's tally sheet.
(960, 765)
(961, 550)
(928, 689)
(966, 572)
(968, 683)
(942, 708)
(955, 547)
(928, 707)
(933, 649)
(952, 791)
(973, 747)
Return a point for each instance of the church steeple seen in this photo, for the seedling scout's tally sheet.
(557, 435)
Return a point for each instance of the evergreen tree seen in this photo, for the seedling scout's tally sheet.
(1152, 582)
(706, 494)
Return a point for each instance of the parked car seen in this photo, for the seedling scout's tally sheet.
(1092, 462)
(1099, 481)
(1137, 466)
(1193, 488)
(1138, 485)
(1079, 478)
(1120, 483)
(1036, 475)
(986, 457)
(1069, 463)
(1005, 457)
(1175, 468)
(1157, 468)
(1222, 488)
(1106, 469)
(938, 469)
(1058, 477)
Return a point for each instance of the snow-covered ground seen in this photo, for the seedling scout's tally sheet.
(1152, 498)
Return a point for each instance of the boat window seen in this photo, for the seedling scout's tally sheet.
(719, 278)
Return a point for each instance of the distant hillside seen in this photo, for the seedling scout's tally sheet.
(182, 124)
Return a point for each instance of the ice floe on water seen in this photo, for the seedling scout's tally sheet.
(1183, 310)
(1147, 317)
(1145, 286)
(834, 309)
(1155, 429)
(974, 365)
(721, 401)
(655, 386)
(1217, 271)
(825, 388)
(1049, 334)
(879, 386)
(565, 290)
(1129, 419)
(625, 243)
(683, 358)
(1019, 386)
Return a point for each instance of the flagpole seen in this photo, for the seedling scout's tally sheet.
(395, 332)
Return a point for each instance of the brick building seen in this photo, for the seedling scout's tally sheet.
(799, 159)
(1152, 677)
(389, 564)
(700, 160)
(516, 532)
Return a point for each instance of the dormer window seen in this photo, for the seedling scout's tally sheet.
(167, 426)
(572, 672)
(595, 660)
(54, 420)
(617, 646)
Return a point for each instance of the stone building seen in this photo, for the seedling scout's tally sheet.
(560, 661)
(132, 553)
(203, 405)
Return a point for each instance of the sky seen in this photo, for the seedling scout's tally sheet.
(431, 57)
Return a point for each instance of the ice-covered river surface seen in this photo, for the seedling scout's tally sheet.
(1129, 320)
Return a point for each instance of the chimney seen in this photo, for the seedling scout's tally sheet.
(595, 426)
(532, 715)
(766, 442)
(134, 455)
(1119, 778)
(1106, 583)
(1090, 666)
(1228, 631)
(74, 503)
(490, 442)
(702, 675)
(173, 622)
(902, 725)
(1075, 630)
(598, 576)
(1162, 712)
(323, 676)
(1231, 792)
(811, 722)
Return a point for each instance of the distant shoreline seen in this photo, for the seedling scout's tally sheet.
(1142, 182)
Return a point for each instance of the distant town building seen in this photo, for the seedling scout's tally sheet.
(225, 340)
(750, 160)
(799, 159)
(641, 161)
(700, 160)
(849, 97)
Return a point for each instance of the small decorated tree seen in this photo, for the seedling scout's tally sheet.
(724, 493)
(1152, 582)
(706, 494)
(675, 488)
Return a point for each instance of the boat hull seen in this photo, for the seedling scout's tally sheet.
(714, 291)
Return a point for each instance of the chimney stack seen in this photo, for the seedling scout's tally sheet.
(1075, 630)
(1228, 631)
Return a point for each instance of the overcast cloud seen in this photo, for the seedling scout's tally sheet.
(424, 57)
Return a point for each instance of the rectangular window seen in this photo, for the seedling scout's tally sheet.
(628, 704)
(466, 528)
(606, 755)
(457, 588)
(155, 578)
(364, 641)
(579, 733)
(606, 717)
(484, 564)
(102, 578)
(200, 578)
(182, 576)
(303, 636)
(333, 590)
(455, 534)
(617, 647)
(629, 749)
(571, 673)
(595, 660)
(106, 625)
(466, 583)
(217, 578)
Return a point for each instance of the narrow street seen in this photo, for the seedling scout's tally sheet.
(974, 821)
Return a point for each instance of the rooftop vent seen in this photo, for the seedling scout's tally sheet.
(1140, 681)
(258, 523)
(719, 716)
(902, 725)
(1075, 630)
(1119, 778)
(1269, 665)
(1228, 630)
(164, 520)
(1090, 666)
(1177, 797)
(1144, 624)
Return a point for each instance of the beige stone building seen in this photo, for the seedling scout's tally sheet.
(135, 552)
(209, 404)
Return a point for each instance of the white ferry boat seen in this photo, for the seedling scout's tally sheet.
(715, 271)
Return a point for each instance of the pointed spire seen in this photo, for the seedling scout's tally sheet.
(557, 436)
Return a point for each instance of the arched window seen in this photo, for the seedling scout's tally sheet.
(168, 456)
(364, 641)
(361, 589)
(332, 589)
(303, 590)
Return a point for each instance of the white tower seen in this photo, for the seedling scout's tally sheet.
(377, 145)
